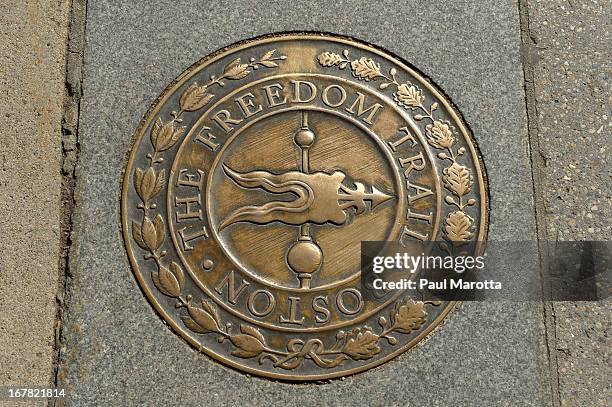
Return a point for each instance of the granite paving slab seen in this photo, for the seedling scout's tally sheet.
(117, 350)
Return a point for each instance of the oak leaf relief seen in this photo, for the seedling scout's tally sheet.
(439, 134)
(328, 59)
(408, 316)
(458, 227)
(457, 179)
(365, 69)
(408, 96)
(362, 344)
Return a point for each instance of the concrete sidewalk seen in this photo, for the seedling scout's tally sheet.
(32, 73)
(568, 53)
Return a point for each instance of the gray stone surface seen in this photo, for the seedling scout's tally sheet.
(572, 49)
(32, 49)
(118, 350)
(573, 84)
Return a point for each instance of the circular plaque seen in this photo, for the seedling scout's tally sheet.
(255, 177)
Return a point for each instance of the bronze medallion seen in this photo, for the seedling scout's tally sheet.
(254, 179)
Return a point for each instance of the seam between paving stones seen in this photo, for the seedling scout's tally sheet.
(537, 164)
(70, 154)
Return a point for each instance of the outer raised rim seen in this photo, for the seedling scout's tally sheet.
(287, 36)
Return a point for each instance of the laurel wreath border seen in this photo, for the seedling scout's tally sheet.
(361, 343)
